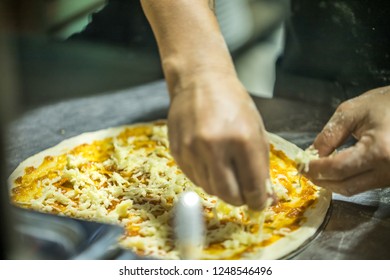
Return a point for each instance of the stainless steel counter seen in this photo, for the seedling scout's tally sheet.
(357, 227)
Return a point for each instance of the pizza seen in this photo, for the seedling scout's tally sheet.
(126, 176)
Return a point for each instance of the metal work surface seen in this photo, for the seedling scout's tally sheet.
(357, 228)
(47, 237)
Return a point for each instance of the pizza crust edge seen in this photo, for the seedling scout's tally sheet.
(315, 215)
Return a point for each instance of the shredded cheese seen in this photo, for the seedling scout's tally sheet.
(132, 180)
(303, 158)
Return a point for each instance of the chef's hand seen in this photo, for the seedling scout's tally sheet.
(366, 165)
(216, 134)
(218, 139)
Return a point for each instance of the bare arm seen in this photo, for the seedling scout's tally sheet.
(216, 134)
(189, 39)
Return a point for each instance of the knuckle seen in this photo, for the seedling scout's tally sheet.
(327, 137)
(345, 106)
(376, 146)
(198, 138)
(239, 141)
(206, 136)
(243, 137)
(205, 143)
(383, 150)
(211, 139)
(383, 156)
(188, 141)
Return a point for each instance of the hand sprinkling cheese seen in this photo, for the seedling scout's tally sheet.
(364, 165)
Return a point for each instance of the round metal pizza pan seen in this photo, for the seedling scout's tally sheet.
(357, 227)
(301, 248)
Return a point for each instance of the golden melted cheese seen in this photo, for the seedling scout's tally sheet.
(132, 180)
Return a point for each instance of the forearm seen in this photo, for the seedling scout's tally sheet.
(216, 135)
(189, 39)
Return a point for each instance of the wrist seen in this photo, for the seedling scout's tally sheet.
(182, 75)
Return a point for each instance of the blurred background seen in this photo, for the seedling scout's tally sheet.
(93, 46)
(57, 49)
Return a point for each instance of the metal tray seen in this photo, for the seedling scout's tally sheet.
(45, 236)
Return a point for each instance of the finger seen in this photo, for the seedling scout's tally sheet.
(194, 167)
(251, 162)
(362, 182)
(185, 155)
(204, 174)
(186, 163)
(347, 163)
(174, 137)
(190, 172)
(338, 129)
(222, 181)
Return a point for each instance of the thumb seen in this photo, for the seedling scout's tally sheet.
(340, 126)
